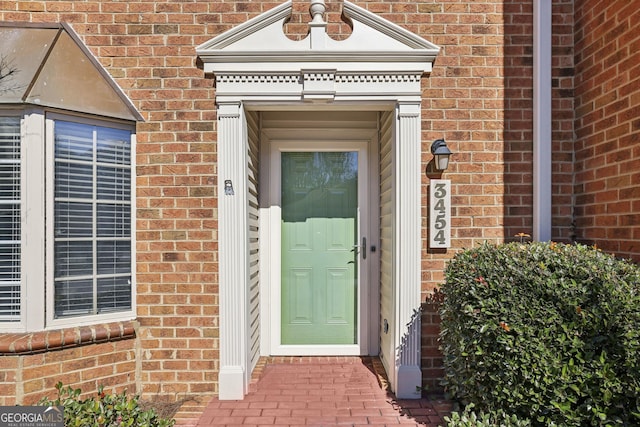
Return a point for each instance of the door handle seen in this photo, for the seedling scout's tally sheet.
(361, 248)
(364, 248)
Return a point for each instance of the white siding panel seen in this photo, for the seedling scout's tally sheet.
(386, 241)
(253, 209)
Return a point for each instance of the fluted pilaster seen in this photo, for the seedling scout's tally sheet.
(408, 250)
(233, 255)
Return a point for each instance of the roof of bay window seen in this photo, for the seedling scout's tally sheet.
(49, 66)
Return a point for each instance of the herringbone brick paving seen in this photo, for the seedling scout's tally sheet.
(322, 392)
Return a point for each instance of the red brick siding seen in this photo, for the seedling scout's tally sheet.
(518, 117)
(607, 125)
(432, 362)
(562, 120)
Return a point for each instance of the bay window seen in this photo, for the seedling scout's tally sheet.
(66, 229)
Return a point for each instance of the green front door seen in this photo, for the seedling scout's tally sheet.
(319, 253)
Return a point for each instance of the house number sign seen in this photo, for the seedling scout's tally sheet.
(440, 213)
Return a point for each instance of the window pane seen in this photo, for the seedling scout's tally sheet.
(9, 177)
(9, 222)
(73, 219)
(114, 220)
(74, 141)
(114, 146)
(10, 227)
(9, 138)
(74, 180)
(9, 282)
(114, 257)
(114, 294)
(114, 183)
(92, 202)
(73, 297)
(9, 264)
(73, 259)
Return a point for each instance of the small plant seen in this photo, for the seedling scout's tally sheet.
(104, 410)
(545, 331)
(470, 418)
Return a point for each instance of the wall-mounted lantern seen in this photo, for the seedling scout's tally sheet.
(441, 154)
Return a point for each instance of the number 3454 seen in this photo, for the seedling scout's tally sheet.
(440, 214)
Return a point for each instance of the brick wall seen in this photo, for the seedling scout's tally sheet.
(463, 103)
(607, 125)
(562, 83)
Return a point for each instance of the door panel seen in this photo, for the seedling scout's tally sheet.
(319, 283)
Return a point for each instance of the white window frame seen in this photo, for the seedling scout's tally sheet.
(52, 322)
(37, 222)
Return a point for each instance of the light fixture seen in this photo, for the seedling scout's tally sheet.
(441, 154)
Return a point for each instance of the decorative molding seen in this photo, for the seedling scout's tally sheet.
(322, 84)
(306, 76)
(257, 78)
(318, 85)
(378, 78)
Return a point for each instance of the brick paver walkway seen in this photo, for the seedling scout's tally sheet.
(322, 392)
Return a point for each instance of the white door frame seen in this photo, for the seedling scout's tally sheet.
(270, 240)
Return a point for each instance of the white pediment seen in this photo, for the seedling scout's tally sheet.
(262, 40)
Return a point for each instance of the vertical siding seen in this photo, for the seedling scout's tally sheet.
(254, 282)
(386, 238)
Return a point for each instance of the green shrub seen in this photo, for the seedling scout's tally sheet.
(547, 332)
(470, 418)
(104, 410)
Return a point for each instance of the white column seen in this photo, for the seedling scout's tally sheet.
(232, 250)
(407, 256)
(542, 120)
